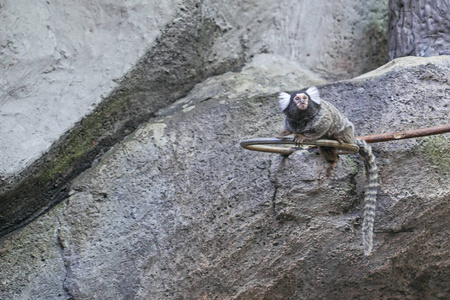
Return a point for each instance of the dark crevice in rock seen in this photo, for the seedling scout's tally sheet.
(62, 251)
(274, 181)
(274, 197)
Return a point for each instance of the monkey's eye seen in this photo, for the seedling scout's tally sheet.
(304, 97)
(297, 98)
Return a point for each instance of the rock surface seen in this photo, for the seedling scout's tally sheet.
(61, 60)
(178, 210)
(122, 62)
(420, 28)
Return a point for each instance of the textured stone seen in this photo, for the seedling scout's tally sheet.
(335, 39)
(61, 60)
(185, 43)
(178, 210)
(419, 28)
(165, 73)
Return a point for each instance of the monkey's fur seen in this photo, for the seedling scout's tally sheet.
(310, 117)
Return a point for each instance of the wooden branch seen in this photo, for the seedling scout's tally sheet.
(408, 134)
(267, 144)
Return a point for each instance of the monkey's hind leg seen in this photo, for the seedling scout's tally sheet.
(330, 155)
(330, 169)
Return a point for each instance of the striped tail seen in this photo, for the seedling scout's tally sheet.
(370, 198)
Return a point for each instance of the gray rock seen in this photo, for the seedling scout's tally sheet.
(166, 72)
(179, 211)
(154, 55)
(62, 60)
(419, 28)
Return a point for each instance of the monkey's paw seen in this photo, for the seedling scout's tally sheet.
(299, 139)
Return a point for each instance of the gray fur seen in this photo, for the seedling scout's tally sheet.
(370, 199)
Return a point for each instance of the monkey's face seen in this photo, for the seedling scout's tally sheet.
(301, 100)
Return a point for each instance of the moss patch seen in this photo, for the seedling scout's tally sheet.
(86, 136)
(437, 151)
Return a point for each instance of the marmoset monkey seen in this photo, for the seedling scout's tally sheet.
(310, 117)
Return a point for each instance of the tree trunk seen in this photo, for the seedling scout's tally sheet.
(419, 28)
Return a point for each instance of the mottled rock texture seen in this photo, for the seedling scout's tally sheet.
(60, 60)
(179, 211)
(120, 63)
(419, 28)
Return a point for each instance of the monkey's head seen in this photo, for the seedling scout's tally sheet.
(302, 99)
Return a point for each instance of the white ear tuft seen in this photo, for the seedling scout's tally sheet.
(284, 99)
(314, 95)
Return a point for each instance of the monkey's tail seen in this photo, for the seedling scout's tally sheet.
(370, 198)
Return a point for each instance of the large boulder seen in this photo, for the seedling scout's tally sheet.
(61, 60)
(81, 76)
(179, 210)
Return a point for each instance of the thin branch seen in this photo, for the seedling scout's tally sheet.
(408, 134)
(266, 144)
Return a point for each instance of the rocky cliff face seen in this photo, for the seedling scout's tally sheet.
(82, 76)
(176, 209)
(179, 211)
(61, 60)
